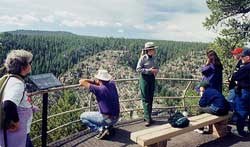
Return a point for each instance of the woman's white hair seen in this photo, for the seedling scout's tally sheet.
(17, 59)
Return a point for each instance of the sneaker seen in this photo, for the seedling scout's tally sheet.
(207, 130)
(148, 123)
(102, 134)
(199, 131)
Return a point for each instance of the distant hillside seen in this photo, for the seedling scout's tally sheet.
(108, 60)
(57, 52)
(185, 66)
(38, 32)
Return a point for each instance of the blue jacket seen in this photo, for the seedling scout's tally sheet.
(232, 82)
(214, 99)
(243, 76)
(213, 75)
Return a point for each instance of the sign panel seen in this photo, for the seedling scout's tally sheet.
(45, 81)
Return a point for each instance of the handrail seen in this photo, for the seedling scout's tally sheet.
(119, 80)
(53, 89)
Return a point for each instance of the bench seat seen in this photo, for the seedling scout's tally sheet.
(160, 134)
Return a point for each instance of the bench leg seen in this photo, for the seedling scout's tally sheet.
(159, 144)
(220, 129)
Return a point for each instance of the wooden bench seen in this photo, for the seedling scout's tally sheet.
(159, 135)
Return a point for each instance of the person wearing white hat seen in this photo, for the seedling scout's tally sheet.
(104, 89)
(148, 70)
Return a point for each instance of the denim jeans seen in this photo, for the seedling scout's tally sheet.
(242, 109)
(231, 99)
(96, 121)
(211, 110)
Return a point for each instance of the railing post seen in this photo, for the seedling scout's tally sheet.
(184, 95)
(90, 102)
(44, 119)
(131, 113)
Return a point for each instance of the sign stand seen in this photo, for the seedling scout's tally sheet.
(44, 119)
(44, 82)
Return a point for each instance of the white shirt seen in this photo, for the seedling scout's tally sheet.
(14, 91)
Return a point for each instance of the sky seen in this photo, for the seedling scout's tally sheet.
(179, 20)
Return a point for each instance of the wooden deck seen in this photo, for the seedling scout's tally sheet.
(122, 138)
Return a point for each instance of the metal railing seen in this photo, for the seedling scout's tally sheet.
(129, 101)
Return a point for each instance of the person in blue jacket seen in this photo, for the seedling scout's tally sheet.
(212, 71)
(212, 101)
(242, 100)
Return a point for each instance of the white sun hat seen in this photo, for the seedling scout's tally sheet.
(103, 75)
(149, 45)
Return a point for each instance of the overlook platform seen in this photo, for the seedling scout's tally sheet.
(122, 138)
(61, 126)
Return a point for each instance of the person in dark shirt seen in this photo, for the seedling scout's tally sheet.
(108, 101)
(212, 71)
(237, 52)
(242, 100)
(212, 101)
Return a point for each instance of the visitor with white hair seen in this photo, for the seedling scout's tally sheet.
(17, 107)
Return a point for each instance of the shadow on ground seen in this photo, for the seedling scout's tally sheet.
(229, 140)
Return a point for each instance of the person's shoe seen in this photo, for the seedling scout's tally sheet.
(102, 134)
(199, 131)
(148, 123)
(207, 130)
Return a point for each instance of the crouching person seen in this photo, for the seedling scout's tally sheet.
(211, 101)
(108, 102)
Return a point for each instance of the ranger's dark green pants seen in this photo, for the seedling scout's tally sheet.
(147, 87)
